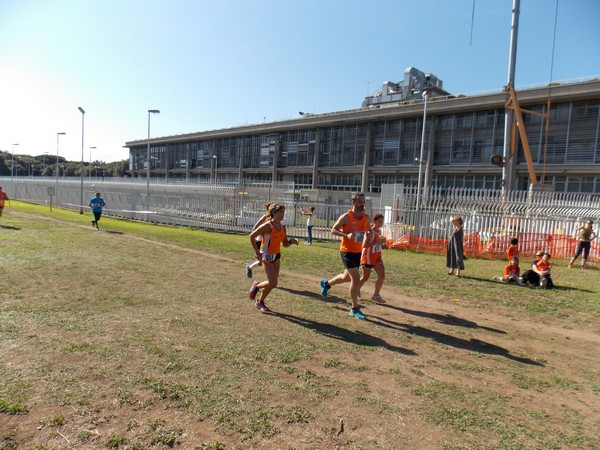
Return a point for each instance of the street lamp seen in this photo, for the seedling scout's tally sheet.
(57, 166)
(81, 168)
(215, 159)
(425, 95)
(90, 177)
(150, 111)
(12, 162)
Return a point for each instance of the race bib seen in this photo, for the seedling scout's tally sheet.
(376, 249)
(359, 236)
(269, 257)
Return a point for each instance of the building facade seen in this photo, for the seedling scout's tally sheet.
(380, 143)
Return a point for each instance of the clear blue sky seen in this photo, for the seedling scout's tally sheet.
(217, 64)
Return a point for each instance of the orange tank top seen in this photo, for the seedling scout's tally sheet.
(358, 227)
(271, 243)
(372, 255)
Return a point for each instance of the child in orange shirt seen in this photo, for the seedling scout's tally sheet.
(513, 249)
(511, 272)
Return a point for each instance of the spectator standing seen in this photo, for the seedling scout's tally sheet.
(455, 250)
(586, 236)
(513, 249)
(309, 225)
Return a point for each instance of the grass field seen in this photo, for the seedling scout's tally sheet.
(142, 336)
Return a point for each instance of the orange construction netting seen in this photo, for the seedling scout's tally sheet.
(559, 246)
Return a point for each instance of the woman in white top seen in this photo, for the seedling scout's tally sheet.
(309, 213)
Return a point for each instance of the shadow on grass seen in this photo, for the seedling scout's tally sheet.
(8, 227)
(446, 319)
(113, 232)
(342, 334)
(473, 345)
(314, 295)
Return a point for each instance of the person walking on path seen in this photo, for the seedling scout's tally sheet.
(586, 236)
(263, 219)
(309, 225)
(3, 198)
(273, 235)
(351, 227)
(455, 251)
(97, 203)
(371, 257)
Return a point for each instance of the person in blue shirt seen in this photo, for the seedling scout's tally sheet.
(96, 204)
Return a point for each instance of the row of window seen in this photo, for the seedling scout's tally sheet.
(572, 137)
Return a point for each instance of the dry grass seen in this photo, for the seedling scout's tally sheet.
(145, 338)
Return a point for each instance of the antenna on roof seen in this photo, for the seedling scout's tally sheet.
(472, 20)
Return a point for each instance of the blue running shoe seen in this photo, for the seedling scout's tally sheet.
(324, 289)
(356, 312)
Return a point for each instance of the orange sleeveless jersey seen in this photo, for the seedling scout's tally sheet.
(271, 243)
(358, 227)
(371, 255)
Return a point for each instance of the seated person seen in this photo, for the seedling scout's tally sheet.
(511, 271)
(540, 271)
(531, 276)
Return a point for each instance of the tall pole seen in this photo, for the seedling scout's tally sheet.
(12, 162)
(509, 164)
(150, 111)
(425, 95)
(215, 159)
(81, 167)
(57, 166)
(90, 177)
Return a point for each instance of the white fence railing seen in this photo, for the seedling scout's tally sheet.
(541, 220)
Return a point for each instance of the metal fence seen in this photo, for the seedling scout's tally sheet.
(540, 220)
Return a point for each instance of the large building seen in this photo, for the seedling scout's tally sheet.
(380, 143)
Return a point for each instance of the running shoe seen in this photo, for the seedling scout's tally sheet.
(93, 223)
(356, 312)
(543, 282)
(253, 290)
(248, 271)
(377, 299)
(261, 305)
(324, 289)
(570, 266)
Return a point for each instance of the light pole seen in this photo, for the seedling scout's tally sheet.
(425, 95)
(12, 162)
(81, 168)
(90, 177)
(150, 111)
(215, 159)
(57, 166)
